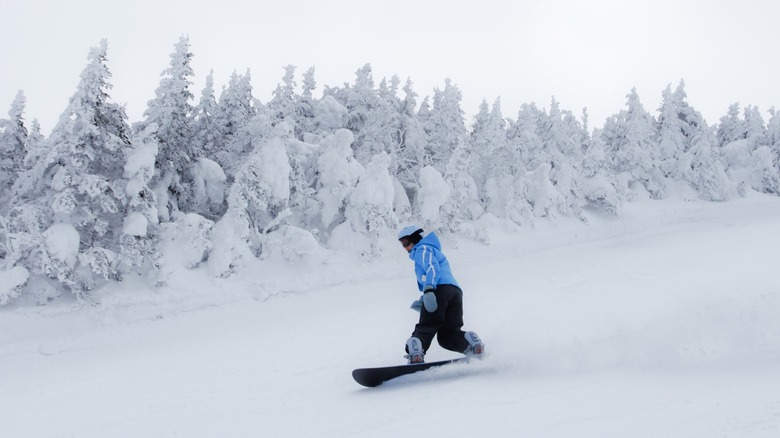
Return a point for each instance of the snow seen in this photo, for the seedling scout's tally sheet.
(62, 243)
(135, 224)
(10, 280)
(661, 322)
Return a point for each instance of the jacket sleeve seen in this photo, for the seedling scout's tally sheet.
(427, 260)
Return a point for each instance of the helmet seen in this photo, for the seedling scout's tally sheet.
(408, 231)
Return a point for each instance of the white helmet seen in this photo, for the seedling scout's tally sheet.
(408, 231)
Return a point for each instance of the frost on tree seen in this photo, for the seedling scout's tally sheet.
(258, 203)
(77, 185)
(282, 106)
(234, 112)
(688, 147)
(138, 241)
(171, 111)
(13, 142)
(600, 188)
(370, 206)
(631, 147)
(371, 117)
(750, 159)
(411, 144)
(434, 194)
(206, 136)
(445, 126)
(338, 173)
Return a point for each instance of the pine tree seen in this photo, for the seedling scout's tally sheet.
(236, 109)
(282, 106)
(206, 135)
(370, 117)
(688, 147)
(411, 143)
(562, 135)
(370, 206)
(13, 144)
(445, 126)
(74, 193)
(630, 141)
(730, 127)
(338, 173)
(171, 112)
(305, 107)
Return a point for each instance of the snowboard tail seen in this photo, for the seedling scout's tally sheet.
(372, 377)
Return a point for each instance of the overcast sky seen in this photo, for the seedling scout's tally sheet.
(585, 53)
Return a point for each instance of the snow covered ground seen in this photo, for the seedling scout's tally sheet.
(664, 322)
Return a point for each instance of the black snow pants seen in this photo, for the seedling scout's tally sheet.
(445, 323)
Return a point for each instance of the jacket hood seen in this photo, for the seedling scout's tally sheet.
(431, 240)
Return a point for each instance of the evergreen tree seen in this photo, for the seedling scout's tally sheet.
(370, 206)
(562, 135)
(282, 106)
(236, 109)
(730, 126)
(688, 147)
(754, 127)
(206, 135)
(445, 126)
(600, 187)
(305, 107)
(338, 173)
(630, 140)
(139, 239)
(370, 117)
(171, 112)
(497, 168)
(411, 143)
(74, 192)
(13, 145)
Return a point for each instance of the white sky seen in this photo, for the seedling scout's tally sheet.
(585, 53)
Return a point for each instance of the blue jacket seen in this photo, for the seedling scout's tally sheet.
(430, 265)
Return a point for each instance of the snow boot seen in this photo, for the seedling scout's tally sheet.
(476, 348)
(414, 348)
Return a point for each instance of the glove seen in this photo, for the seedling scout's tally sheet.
(417, 305)
(429, 300)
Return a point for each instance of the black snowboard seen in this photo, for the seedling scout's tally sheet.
(372, 377)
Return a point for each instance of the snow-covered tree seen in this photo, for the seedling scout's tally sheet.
(688, 147)
(562, 136)
(489, 144)
(257, 202)
(434, 194)
(730, 127)
(13, 143)
(631, 146)
(338, 173)
(370, 205)
(236, 109)
(445, 126)
(282, 106)
(206, 135)
(371, 118)
(600, 188)
(171, 111)
(138, 240)
(74, 192)
(411, 143)
(305, 107)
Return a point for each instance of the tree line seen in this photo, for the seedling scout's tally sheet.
(99, 198)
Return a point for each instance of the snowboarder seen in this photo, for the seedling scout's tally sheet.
(441, 305)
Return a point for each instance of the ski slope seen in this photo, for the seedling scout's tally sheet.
(664, 322)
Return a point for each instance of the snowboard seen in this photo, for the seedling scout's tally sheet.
(372, 377)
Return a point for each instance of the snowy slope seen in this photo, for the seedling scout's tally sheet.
(664, 322)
